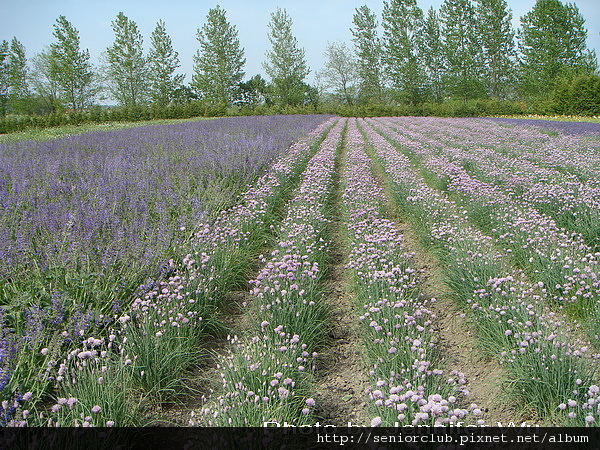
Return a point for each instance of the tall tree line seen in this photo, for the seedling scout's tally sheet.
(465, 49)
(63, 77)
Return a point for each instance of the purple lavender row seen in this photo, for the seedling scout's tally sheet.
(505, 308)
(267, 376)
(95, 193)
(408, 385)
(165, 321)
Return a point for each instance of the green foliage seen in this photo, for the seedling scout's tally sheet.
(14, 123)
(46, 99)
(431, 50)
(340, 72)
(450, 108)
(462, 49)
(219, 62)
(253, 92)
(552, 44)
(162, 361)
(4, 78)
(369, 52)
(69, 66)
(162, 63)
(17, 78)
(127, 68)
(578, 95)
(286, 64)
(402, 24)
(497, 39)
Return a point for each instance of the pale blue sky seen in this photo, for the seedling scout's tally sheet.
(316, 22)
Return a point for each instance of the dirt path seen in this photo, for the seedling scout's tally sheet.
(342, 373)
(207, 375)
(456, 338)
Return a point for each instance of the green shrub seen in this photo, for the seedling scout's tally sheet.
(579, 95)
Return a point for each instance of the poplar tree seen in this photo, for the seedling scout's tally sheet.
(127, 69)
(402, 23)
(218, 68)
(17, 76)
(552, 43)
(4, 84)
(70, 67)
(432, 53)
(286, 64)
(46, 89)
(497, 39)
(339, 72)
(368, 51)
(163, 60)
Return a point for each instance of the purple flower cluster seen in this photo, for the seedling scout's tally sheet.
(585, 406)
(563, 261)
(569, 128)
(408, 384)
(110, 205)
(173, 306)
(266, 376)
(507, 309)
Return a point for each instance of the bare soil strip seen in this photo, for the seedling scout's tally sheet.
(235, 319)
(342, 373)
(456, 340)
(207, 375)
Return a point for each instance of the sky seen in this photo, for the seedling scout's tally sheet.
(315, 23)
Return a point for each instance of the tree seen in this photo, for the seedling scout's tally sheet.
(4, 80)
(368, 51)
(17, 77)
(127, 71)
(340, 72)
(286, 65)
(253, 92)
(69, 66)
(462, 49)
(497, 38)
(219, 62)
(46, 89)
(432, 52)
(184, 94)
(552, 45)
(402, 22)
(162, 63)
(578, 95)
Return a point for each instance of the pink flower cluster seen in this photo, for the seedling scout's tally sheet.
(266, 376)
(408, 384)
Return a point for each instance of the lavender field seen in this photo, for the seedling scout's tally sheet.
(382, 271)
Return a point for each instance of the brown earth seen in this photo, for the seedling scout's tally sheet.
(341, 370)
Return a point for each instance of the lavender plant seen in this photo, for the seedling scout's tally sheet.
(267, 376)
(164, 308)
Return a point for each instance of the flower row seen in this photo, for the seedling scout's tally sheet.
(507, 310)
(408, 385)
(267, 375)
